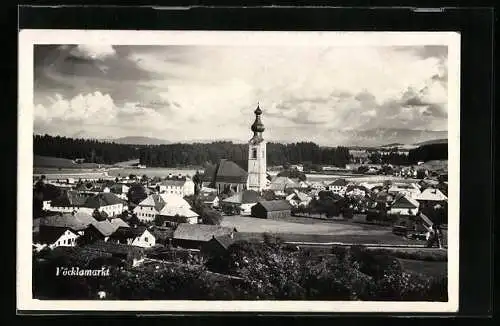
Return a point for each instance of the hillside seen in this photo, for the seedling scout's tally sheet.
(432, 142)
(57, 162)
(133, 140)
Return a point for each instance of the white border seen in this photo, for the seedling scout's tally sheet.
(27, 38)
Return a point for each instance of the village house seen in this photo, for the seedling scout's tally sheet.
(120, 190)
(272, 209)
(298, 199)
(280, 184)
(149, 208)
(209, 199)
(55, 237)
(338, 186)
(138, 236)
(99, 231)
(431, 195)
(411, 190)
(68, 201)
(217, 246)
(242, 201)
(178, 214)
(178, 185)
(356, 191)
(404, 205)
(108, 203)
(130, 255)
(194, 236)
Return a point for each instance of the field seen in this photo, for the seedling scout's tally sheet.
(298, 229)
(428, 268)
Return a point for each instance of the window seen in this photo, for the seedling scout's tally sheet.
(254, 153)
(146, 239)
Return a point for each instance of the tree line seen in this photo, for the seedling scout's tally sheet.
(92, 151)
(277, 154)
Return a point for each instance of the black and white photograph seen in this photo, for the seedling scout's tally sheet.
(238, 171)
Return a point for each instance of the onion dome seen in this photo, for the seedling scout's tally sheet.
(258, 126)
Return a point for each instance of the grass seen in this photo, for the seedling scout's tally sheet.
(428, 268)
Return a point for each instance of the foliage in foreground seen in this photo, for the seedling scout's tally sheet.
(249, 271)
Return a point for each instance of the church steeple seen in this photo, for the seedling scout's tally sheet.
(258, 126)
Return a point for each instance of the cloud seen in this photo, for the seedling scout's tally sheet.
(210, 92)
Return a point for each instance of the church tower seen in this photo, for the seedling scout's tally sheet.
(257, 155)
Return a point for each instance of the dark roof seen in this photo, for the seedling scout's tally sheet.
(339, 182)
(115, 248)
(102, 199)
(208, 196)
(69, 198)
(244, 197)
(224, 240)
(199, 232)
(275, 205)
(225, 171)
(65, 221)
(174, 181)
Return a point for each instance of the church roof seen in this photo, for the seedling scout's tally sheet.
(258, 126)
(225, 171)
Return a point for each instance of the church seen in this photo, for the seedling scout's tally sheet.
(228, 176)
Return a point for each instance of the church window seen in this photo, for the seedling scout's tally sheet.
(254, 153)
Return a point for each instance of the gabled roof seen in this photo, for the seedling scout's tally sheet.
(405, 202)
(175, 181)
(431, 194)
(282, 183)
(69, 198)
(113, 248)
(119, 223)
(339, 182)
(224, 240)
(153, 200)
(302, 196)
(102, 199)
(63, 221)
(50, 236)
(174, 200)
(243, 197)
(181, 211)
(275, 205)
(228, 171)
(199, 232)
(106, 228)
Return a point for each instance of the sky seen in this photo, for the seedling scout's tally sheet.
(181, 93)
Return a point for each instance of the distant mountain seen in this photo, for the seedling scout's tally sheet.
(431, 142)
(376, 137)
(137, 140)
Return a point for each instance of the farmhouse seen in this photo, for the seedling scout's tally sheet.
(99, 231)
(218, 245)
(297, 198)
(56, 237)
(338, 186)
(178, 185)
(431, 195)
(147, 209)
(404, 205)
(177, 214)
(410, 190)
(280, 184)
(139, 236)
(195, 235)
(272, 209)
(68, 201)
(209, 199)
(108, 203)
(243, 201)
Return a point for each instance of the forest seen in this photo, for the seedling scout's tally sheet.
(176, 155)
(198, 154)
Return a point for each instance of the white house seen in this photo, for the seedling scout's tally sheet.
(338, 186)
(431, 195)
(244, 200)
(411, 190)
(69, 201)
(108, 203)
(144, 239)
(57, 237)
(298, 199)
(404, 205)
(209, 198)
(172, 212)
(147, 209)
(177, 185)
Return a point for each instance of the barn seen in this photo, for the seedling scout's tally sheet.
(272, 209)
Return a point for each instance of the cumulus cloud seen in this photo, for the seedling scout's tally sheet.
(208, 92)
